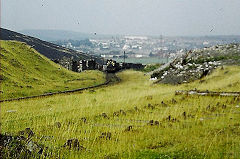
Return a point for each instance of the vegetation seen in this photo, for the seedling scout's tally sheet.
(25, 72)
(151, 67)
(134, 119)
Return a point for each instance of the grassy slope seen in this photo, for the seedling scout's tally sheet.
(25, 72)
(204, 133)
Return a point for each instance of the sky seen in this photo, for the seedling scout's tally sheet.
(125, 17)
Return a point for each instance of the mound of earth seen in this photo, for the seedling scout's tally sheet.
(196, 64)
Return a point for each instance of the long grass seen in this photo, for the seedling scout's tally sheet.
(209, 129)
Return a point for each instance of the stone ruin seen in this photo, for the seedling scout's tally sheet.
(78, 65)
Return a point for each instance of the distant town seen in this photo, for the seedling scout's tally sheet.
(138, 47)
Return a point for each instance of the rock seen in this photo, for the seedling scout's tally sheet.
(136, 108)
(120, 112)
(84, 119)
(116, 113)
(58, 125)
(73, 144)
(169, 118)
(150, 106)
(152, 122)
(164, 104)
(106, 135)
(129, 128)
(224, 106)
(194, 65)
(174, 101)
(156, 123)
(12, 146)
(104, 115)
(29, 132)
(33, 147)
(149, 97)
(184, 115)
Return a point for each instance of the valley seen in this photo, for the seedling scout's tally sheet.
(133, 119)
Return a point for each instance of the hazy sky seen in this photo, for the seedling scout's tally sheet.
(138, 17)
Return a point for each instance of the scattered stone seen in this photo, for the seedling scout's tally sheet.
(136, 108)
(84, 119)
(103, 115)
(129, 128)
(106, 135)
(237, 124)
(58, 125)
(73, 144)
(208, 107)
(120, 112)
(152, 122)
(213, 109)
(226, 72)
(11, 111)
(174, 120)
(156, 123)
(185, 115)
(173, 101)
(92, 91)
(169, 118)
(21, 132)
(153, 79)
(150, 106)
(224, 106)
(149, 97)
(164, 104)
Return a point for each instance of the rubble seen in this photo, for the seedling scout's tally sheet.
(20, 145)
(197, 64)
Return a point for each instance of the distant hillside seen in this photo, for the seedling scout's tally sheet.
(54, 35)
(52, 51)
(25, 72)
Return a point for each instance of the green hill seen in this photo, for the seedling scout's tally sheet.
(25, 72)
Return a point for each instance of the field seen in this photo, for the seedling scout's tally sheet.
(134, 119)
(25, 72)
